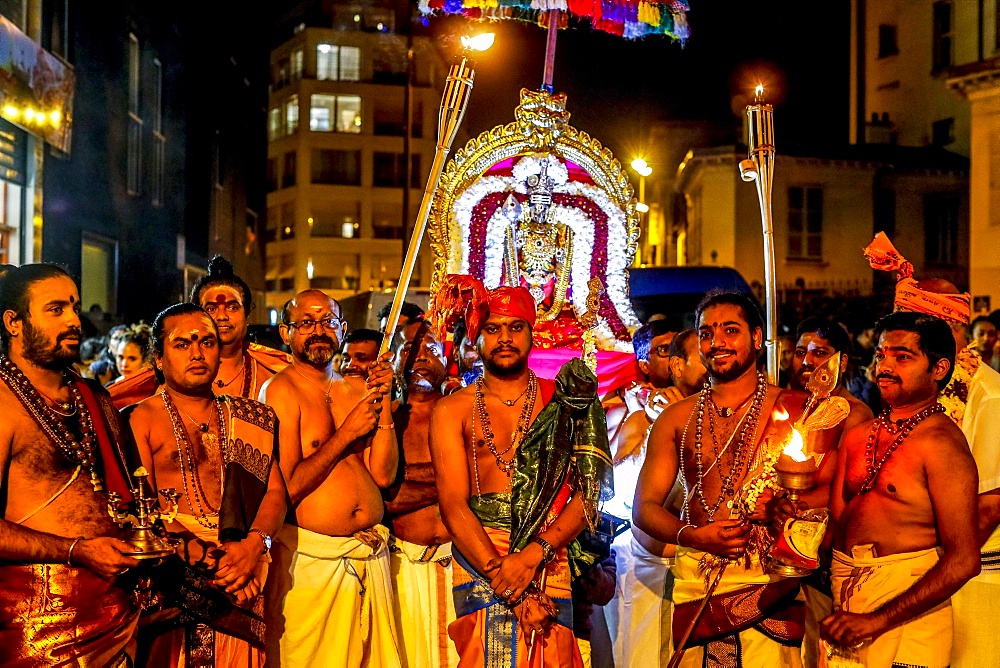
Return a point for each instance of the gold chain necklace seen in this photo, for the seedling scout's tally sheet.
(78, 451)
(486, 427)
(189, 463)
(326, 392)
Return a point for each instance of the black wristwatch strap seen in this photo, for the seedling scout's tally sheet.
(548, 552)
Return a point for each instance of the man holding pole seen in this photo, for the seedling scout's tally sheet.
(716, 439)
(521, 464)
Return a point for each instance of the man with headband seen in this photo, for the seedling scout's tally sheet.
(522, 464)
(972, 400)
(245, 366)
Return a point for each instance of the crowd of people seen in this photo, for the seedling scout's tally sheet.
(442, 505)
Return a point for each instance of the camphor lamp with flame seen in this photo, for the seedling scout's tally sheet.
(795, 469)
(143, 536)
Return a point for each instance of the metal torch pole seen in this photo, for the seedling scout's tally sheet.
(759, 167)
(455, 99)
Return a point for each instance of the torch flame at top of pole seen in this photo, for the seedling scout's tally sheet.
(480, 42)
(795, 448)
(758, 93)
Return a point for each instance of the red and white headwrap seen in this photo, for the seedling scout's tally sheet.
(462, 296)
(882, 255)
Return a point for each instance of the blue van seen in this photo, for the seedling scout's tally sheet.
(676, 291)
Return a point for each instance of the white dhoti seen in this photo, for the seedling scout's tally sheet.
(974, 607)
(862, 583)
(423, 603)
(640, 614)
(329, 601)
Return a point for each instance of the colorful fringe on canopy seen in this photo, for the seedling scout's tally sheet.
(631, 19)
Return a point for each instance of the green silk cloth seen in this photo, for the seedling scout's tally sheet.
(566, 443)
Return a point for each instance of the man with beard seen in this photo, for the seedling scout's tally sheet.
(62, 598)
(817, 340)
(219, 451)
(245, 366)
(717, 440)
(521, 465)
(639, 615)
(420, 543)
(329, 594)
(360, 352)
(904, 505)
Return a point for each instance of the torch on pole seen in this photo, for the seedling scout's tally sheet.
(759, 167)
(457, 90)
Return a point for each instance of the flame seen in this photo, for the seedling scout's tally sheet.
(758, 93)
(479, 42)
(796, 445)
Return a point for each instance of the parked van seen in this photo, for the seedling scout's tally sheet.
(676, 291)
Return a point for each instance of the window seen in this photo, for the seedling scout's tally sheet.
(55, 17)
(98, 272)
(134, 151)
(389, 119)
(159, 140)
(338, 63)
(388, 170)
(387, 221)
(292, 115)
(416, 176)
(296, 64)
(336, 167)
(335, 113)
(271, 176)
(280, 74)
(338, 219)
(943, 132)
(887, 41)
(287, 230)
(288, 173)
(941, 228)
(942, 34)
(273, 123)
(805, 223)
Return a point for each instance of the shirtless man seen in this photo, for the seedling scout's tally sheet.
(61, 600)
(715, 438)
(244, 366)
(639, 616)
(904, 505)
(817, 340)
(195, 442)
(479, 434)
(421, 544)
(337, 451)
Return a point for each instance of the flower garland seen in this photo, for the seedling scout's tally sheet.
(600, 241)
(956, 393)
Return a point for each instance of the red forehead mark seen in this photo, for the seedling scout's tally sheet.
(194, 335)
(220, 299)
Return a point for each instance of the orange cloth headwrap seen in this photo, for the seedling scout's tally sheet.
(462, 296)
(882, 255)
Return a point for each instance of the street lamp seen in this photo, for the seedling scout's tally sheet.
(643, 170)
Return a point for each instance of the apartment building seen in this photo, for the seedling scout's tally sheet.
(352, 123)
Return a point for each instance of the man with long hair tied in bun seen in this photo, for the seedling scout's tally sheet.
(245, 366)
(65, 598)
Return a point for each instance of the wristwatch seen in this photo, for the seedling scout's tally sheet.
(263, 536)
(548, 552)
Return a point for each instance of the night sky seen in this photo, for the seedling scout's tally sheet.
(800, 51)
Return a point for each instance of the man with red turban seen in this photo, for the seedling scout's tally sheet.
(522, 464)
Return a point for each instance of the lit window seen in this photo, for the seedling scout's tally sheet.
(348, 230)
(335, 113)
(338, 63)
(292, 115)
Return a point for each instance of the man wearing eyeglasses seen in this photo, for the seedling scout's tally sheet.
(330, 576)
(245, 366)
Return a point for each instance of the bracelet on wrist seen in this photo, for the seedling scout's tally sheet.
(391, 425)
(69, 555)
(677, 538)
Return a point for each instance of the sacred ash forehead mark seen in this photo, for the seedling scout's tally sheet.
(222, 294)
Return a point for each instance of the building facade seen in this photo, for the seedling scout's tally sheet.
(153, 173)
(347, 105)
